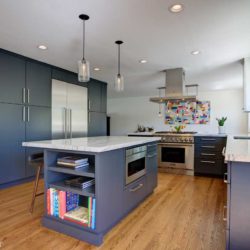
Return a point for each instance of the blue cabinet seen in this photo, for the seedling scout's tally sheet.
(12, 78)
(38, 84)
(12, 154)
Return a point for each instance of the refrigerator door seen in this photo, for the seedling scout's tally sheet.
(77, 104)
(59, 111)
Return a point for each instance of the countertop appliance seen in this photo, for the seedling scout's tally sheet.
(69, 110)
(135, 163)
(176, 152)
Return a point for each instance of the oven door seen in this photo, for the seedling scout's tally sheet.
(173, 155)
(135, 166)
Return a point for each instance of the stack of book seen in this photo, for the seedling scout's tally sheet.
(72, 162)
(80, 182)
(65, 205)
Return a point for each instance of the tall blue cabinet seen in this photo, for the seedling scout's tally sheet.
(25, 110)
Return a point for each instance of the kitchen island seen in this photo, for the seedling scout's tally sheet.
(114, 194)
(237, 178)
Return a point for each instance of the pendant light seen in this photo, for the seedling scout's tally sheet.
(119, 81)
(83, 65)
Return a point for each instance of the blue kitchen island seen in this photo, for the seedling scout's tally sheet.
(124, 170)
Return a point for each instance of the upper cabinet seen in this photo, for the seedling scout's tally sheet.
(38, 84)
(12, 78)
(97, 92)
(246, 82)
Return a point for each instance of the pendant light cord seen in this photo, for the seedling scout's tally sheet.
(119, 59)
(83, 40)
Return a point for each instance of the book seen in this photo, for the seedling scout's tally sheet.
(80, 182)
(72, 201)
(51, 201)
(89, 210)
(70, 165)
(79, 214)
(76, 221)
(48, 201)
(56, 203)
(73, 160)
(62, 204)
(93, 214)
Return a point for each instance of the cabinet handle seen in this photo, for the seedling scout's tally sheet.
(212, 162)
(28, 95)
(28, 114)
(224, 213)
(208, 146)
(207, 154)
(151, 156)
(225, 178)
(136, 188)
(24, 114)
(24, 98)
(223, 151)
(208, 139)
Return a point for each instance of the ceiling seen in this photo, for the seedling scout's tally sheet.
(219, 29)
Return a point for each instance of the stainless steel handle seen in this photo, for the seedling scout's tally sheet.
(65, 123)
(223, 151)
(28, 95)
(136, 188)
(70, 122)
(224, 213)
(28, 114)
(208, 146)
(207, 154)
(208, 139)
(225, 178)
(212, 162)
(151, 156)
(24, 114)
(24, 98)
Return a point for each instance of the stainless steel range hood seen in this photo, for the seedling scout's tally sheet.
(175, 87)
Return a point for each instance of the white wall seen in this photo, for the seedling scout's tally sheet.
(126, 113)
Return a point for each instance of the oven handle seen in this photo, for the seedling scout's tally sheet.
(136, 188)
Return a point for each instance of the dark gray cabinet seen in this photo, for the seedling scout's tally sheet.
(38, 127)
(12, 154)
(209, 159)
(38, 84)
(238, 203)
(12, 78)
(95, 95)
(97, 124)
(104, 98)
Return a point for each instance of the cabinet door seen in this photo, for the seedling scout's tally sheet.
(151, 168)
(12, 78)
(104, 98)
(38, 84)
(38, 127)
(95, 95)
(97, 124)
(12, 154)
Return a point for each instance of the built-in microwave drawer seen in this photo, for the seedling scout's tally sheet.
(134, 193)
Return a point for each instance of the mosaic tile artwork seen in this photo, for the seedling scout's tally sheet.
(184, 112)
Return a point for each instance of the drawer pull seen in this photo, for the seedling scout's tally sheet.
(208, 139)
(225, 178)
(151, 156)
(208, 146)
(224, 213)
(136, 188)
(207, 154)
(212, 162)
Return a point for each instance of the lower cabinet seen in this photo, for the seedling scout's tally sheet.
(12, 154)
(97, 124)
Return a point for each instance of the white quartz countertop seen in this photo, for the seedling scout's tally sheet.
(237, 150)
(142, 133)
(210, 134)
(92, 144)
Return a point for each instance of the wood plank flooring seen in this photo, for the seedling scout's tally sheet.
(184, 212)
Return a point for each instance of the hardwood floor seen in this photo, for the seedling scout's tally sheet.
(184, 212)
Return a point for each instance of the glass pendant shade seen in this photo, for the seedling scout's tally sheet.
(83, 71)
(119, 83)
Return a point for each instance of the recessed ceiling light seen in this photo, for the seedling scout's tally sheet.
(195, 52)
(97, 69)
(176, 8)
(143, 61)
(42, 47)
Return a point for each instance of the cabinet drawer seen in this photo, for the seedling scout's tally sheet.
(209, 140)
(203, 166)
(208, 154)
(134, 193)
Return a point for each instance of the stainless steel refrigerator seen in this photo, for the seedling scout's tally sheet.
(69, 110)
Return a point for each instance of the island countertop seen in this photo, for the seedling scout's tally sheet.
(92, 144)
(237, 150)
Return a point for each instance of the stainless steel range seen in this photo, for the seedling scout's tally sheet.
(176, 152)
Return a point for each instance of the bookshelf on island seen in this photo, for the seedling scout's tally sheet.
(86, 202)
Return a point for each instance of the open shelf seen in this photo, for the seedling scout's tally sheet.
(89, 191)
(88, 171)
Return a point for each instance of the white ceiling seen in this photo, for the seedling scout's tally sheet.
(220, 29)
